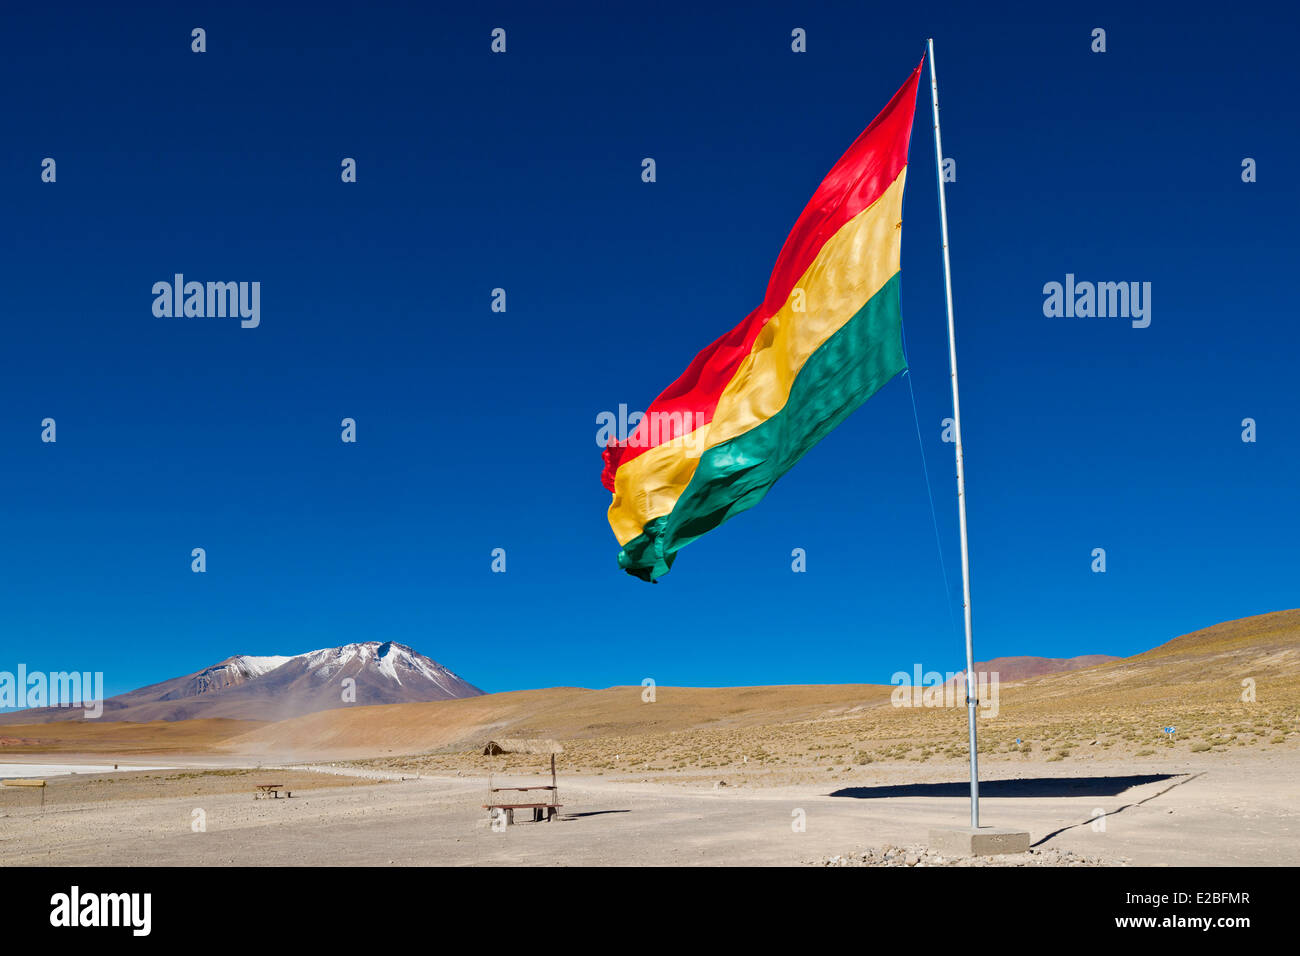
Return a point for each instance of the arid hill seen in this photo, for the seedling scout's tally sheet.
(1196, 679)
(1018, 668)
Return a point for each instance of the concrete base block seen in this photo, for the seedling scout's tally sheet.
(986, 841)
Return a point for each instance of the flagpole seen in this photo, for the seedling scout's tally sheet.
(961, 473)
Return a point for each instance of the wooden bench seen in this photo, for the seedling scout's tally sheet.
(24, 782)
(537, 808)
(270, 790)
(551, 809)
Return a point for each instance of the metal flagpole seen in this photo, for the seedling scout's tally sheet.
(961, 474)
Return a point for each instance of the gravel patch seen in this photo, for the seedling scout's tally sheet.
(919, 855)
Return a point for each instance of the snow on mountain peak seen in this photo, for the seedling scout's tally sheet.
(257, 666)
(389, 658)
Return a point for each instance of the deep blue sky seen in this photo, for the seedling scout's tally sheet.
(477, 430)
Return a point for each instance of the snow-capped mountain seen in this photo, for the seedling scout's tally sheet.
(274, 688)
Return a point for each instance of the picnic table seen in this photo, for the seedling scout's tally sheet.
(270, 790)
(541, 811)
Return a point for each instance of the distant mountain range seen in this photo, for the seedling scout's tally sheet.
(1198, 673)
(276, 688)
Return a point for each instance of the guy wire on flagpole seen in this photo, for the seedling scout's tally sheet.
(961, 474)
(929, 488)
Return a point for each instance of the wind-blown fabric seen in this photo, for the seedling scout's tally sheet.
(825, 339)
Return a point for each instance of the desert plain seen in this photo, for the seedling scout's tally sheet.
(778, 775)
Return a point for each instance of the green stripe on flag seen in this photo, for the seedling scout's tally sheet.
(848, 369)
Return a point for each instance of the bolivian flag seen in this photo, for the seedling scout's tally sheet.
(825, 339)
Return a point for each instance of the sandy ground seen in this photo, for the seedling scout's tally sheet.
(1202, 810)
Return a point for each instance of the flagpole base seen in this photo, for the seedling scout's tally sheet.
(977, 841)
